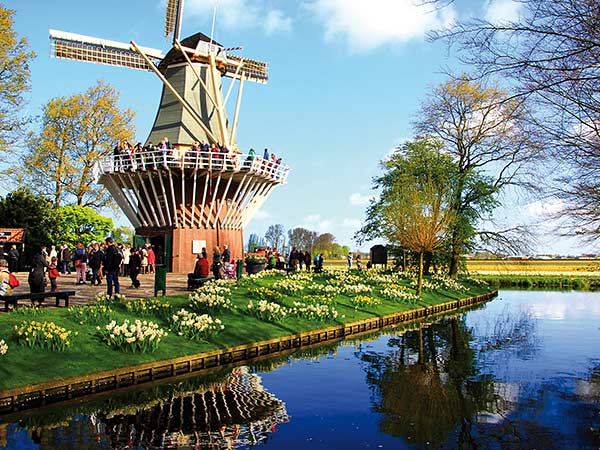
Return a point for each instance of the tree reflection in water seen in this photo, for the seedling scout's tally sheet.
(430, 391)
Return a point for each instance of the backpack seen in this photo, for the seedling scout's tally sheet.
(13, 281)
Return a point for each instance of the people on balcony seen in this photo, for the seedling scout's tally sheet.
(200, 155)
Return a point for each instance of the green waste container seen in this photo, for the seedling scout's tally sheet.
(239, 269)
(160, 279)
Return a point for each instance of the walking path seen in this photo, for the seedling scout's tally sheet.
(176, 284)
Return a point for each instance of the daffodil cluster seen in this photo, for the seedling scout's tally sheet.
(195, 326)
(476, 281)
(448, 283)
(301, 276)
(150, 306)
(316, 288)
(375, 276)
(3, 347)
(355, 289)
(318, 298)
(264, 310)
(399, 295)
(139, 336)
(93, 314)
(317, 311)
(427, 285)
(46, 335)
(289, 287)
(363, 300)
(264, 293)
(201, 301)
(215, 288)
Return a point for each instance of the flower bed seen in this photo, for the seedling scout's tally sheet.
(317, 311)
(195, 326)
(92, 314)
(203, 302)
(289, 287)
(264, 310)
(265, 293)
(150, 306)
(139, 336)
(46, 335)
(363, 300)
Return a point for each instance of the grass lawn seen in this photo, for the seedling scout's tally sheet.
(88, 353)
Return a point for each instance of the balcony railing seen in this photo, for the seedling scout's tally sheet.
(193, 160)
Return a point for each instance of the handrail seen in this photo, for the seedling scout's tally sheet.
(192, 159)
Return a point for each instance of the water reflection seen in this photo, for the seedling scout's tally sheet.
(509, 375)
(233, 411)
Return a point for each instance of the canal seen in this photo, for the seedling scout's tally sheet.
(521, 371)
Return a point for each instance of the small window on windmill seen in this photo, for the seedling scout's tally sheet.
(379, 255)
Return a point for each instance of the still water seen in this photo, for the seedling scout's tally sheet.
(523, 371)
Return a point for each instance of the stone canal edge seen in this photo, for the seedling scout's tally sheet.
(65, 389)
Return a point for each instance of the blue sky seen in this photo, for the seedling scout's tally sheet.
(346, 78)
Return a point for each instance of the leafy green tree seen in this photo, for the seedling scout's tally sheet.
(484, 131)
(324, 244)
(22, 209)
(82, 224)
(76, 132)
(123, 234)
(15, 58)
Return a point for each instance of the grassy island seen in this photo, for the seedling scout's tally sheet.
(45, 344)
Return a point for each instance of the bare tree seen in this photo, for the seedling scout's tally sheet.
(551, 56)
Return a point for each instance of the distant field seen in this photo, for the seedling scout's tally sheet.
(518, 267)
(560, 267)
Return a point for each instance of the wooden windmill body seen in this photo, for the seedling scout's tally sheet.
(182, 200)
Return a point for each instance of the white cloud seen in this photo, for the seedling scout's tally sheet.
(503, 11)
(276, 21)
(235, 14)
(539, 209)
(316, 223)
(262, 215)
(351, 223)
(360, 199)
(367, 25)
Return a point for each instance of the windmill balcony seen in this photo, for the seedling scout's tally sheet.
(192, 160)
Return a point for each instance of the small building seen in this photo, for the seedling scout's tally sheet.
(10, 237)
(378, 255)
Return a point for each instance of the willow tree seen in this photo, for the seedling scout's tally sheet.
(14, 79)
(76, 131)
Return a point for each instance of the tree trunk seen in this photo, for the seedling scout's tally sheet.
(420, 279)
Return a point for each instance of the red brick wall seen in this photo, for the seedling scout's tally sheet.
(184, 259)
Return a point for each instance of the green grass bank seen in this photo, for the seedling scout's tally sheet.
(88, 353)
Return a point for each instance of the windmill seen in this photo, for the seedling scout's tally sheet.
(184, 199)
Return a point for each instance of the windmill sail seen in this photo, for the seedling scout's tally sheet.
(101, 51)
(173, 18)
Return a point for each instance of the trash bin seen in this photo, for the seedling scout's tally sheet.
(160, 279)
(239, 269)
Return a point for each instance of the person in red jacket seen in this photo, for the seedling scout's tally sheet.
(53, 274)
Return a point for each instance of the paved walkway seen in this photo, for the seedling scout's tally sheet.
(176, 284)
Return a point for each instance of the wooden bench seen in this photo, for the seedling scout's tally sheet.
(195, 283)
(58, 295)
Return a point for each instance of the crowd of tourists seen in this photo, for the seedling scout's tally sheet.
(128, 157)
